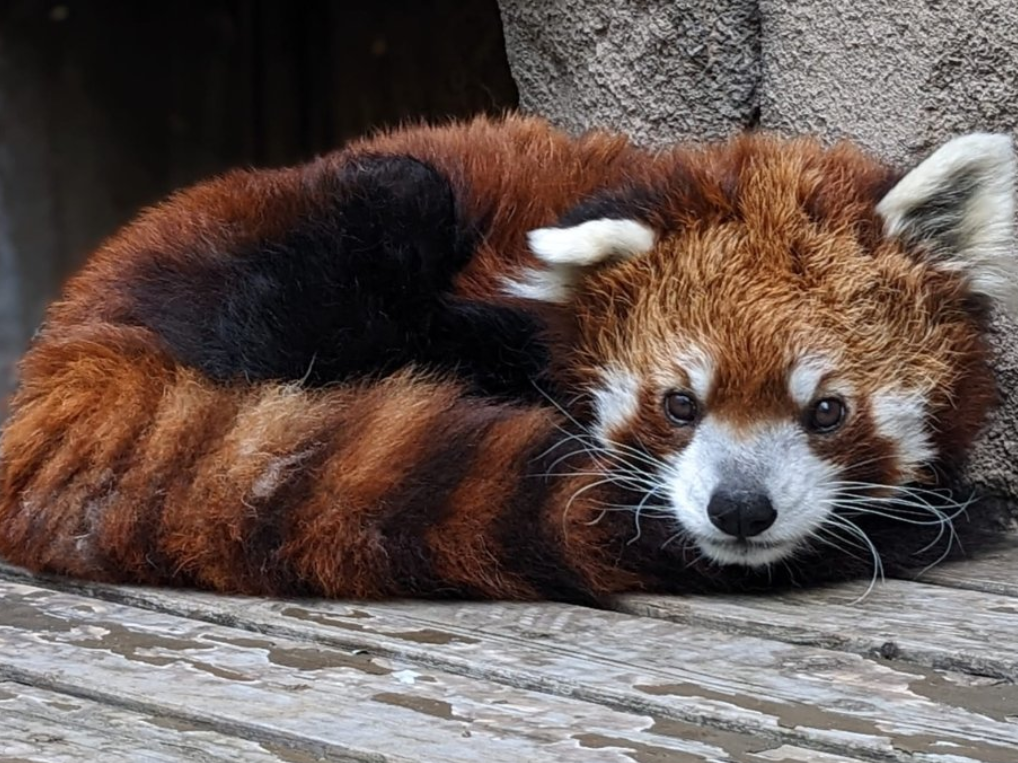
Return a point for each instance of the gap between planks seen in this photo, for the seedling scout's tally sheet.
(992, 571)
(796, 694)
(960, 616)
(949, 623)
(59, 728)
(354, 707)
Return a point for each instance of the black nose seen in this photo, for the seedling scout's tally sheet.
(742, 513)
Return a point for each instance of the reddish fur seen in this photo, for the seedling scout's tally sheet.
(176, 481)
(764, 222)
(118, 464)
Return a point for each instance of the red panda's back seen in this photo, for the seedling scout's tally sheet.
(512, 176)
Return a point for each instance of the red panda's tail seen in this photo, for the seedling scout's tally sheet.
(118, 464)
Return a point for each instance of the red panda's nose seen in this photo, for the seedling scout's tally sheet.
(741, 513)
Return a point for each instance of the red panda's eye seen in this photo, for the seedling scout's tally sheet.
(681, 408)
(826, 415)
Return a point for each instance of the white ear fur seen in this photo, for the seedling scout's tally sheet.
(567, 252)
(960, 205)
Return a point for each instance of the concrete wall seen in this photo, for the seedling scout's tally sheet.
(898, 77)
(658, 70)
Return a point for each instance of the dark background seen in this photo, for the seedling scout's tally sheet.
(107, 105)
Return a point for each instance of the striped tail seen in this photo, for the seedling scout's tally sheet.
(118, 464)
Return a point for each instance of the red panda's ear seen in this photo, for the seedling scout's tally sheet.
(568, 252)
(957, 208)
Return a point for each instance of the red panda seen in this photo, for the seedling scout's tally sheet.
(490, 360)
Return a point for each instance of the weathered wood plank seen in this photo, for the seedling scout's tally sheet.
(993, 571)
(47, 727)
(342, 705)
(933, 626)
(833, 701)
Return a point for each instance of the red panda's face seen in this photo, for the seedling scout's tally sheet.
(770, 380)
(768, 371)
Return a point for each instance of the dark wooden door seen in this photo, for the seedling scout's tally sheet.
(107, 105)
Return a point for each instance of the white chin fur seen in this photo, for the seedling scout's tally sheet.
(746, 554)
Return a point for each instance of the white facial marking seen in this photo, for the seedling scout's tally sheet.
(699, 368)
(900, 417)
(568, 251)
(960, 202)
(775, 459)
(616, 402)
(805, 377)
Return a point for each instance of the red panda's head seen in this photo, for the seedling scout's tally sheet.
(770, 333)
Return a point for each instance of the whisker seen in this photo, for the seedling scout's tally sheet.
(864, 510)
(635, 452)
(918, 503)
(636, 519)
(844, 523)
(835, 538)
(672, 538)
(696, 557)
(911, 489)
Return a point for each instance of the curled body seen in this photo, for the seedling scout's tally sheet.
(491, 360)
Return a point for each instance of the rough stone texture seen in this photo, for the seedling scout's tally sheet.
(994, 463)
(661, 71)
(899, 78)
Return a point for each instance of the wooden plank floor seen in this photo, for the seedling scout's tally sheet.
(914, 671)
